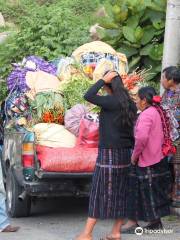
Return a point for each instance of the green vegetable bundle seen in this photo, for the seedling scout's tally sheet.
(74, 90)
(45, 102)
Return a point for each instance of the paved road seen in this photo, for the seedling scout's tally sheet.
(63, 219)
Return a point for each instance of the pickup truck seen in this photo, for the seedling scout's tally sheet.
(25, 179)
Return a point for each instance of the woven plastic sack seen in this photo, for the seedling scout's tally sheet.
(72, 160)
(53, 135)
(102, 67)
(41, 81)
(73, 117)
(88, 133)
(101, 47)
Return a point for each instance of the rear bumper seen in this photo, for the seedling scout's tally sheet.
(51, 184)
(53, 175)
(56, 189)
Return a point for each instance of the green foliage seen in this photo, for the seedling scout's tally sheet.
(138, 31)
(47, 29)
(74, 90)
(13, 11)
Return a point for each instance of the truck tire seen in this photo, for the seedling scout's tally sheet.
(15, 206)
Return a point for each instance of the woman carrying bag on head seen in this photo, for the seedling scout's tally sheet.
(108, 197)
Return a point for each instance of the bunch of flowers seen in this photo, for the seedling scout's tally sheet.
(136, 78)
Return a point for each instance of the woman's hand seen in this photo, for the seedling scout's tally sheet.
(133, 161)
(109, 76)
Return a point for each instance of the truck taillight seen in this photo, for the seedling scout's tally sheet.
(28, 154)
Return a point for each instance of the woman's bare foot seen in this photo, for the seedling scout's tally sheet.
(112, 237)
(128, 224)
(10, 228)
(84, 236)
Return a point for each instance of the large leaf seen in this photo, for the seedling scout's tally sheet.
(148, 62)
(161, 3)
(149, 32)
(154, 15)
(109, 9)
(158, 68)
(115, 33)
(154, 66)
(158, 24)
(127, 50)
(145, 51)
(108, 34)
(129, 34)
(107, 23)
(134, 45)
(116, 9)
(156, 52)
(132, 21)
(160, 32)
(112, 42)
(120, 13)
(147, 3)
(134, 61)
(132, 3)
(136, 6)
(157, 7)
(139, 32)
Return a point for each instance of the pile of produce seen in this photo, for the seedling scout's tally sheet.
(54, 92)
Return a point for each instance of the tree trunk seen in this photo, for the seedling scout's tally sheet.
(171, 54)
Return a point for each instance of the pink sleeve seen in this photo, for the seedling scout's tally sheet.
(142, 131)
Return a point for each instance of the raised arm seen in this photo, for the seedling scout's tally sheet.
(108, 102)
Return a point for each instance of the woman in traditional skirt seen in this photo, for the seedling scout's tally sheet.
(108, 197)
(171, 99)
(150, 177)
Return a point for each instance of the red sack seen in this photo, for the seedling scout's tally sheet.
(88, 133)
(72, 160)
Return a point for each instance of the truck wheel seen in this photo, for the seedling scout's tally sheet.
(15, 206)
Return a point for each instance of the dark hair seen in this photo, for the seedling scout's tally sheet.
(173, 73)
(148, 93)
(128, 111)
